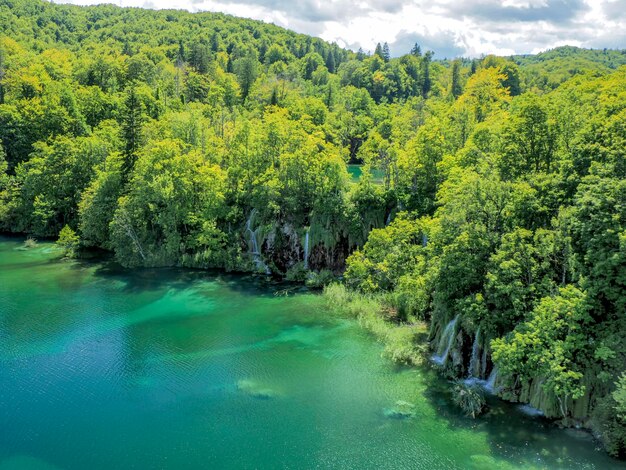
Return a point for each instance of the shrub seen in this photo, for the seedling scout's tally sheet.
(68, 241)
(469, 398)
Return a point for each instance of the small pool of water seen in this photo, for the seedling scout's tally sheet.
(356, 171)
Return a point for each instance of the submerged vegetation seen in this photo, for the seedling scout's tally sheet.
(498, 215)
(470, 398)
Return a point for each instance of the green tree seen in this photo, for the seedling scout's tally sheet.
(246, 70)
(456, 88)
(132, 122)
(551, 343)
(68, 241)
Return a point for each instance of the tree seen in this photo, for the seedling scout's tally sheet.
(551, 343)
(174, 200)
(246, 70)
(484, 94)
(331, 63)
(68, 241)
(99, 202)
(456, 89)
(425, 74)
(379, 51)
(132, 122)
(529, 141)
(2, 74)
(51, 183)
(386, 55)
(199, 57)
(619, 395)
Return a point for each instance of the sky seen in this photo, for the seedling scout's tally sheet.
(450, 28)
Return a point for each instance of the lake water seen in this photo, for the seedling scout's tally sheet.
(356, 171)
(106, 368)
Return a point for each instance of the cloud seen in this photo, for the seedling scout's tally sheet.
(615, 9)
(450, 28)
(553, 11)
(444, 44)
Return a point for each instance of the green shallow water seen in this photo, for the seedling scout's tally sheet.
(105, 368)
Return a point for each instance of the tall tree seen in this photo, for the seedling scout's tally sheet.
(426, 80)
(456, 88)
(1, 75)
(246, 70)
(379, 51)
(330, 62)
(132, 122)
(386, 54)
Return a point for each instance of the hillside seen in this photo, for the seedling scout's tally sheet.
(551, 68)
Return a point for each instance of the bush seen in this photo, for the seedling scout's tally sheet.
(317, 280)
(30, 242)
(68, 241)
(469, 398)
(609, 427)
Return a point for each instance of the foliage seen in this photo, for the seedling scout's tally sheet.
(469, 398)
(68, 241)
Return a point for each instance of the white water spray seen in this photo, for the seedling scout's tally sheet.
(254, 244)
(474, 365)
(490, 386)
(306, 248)
(445, 343)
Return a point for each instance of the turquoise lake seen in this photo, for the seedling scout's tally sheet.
(103, 368)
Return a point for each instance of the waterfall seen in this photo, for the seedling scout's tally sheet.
(483, 363)
(254, 244)
(474, 361)
(424, 240)
(445, 343)
(388, 221)
(306, 248)
(490, 386)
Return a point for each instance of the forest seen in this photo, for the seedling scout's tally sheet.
(498, 215)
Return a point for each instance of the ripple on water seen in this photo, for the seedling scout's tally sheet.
(161, 368)
(26, 462)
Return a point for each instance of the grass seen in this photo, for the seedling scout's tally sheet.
(404, 342)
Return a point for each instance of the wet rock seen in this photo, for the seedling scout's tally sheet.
(401, 410)
(255, 390)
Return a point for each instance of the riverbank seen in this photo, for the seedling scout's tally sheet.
(408, 343)
(404, 342)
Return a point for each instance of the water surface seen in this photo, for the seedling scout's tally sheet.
(106, 368)
(356, 172)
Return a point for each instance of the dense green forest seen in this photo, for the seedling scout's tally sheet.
(203, 140)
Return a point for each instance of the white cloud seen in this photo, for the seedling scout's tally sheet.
(449, 27)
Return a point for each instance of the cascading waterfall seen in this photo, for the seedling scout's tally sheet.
(474, 365)
(483, 363)
(445, 343)
(490, 386)
(388, 221)
(254, 244)
(306, 248)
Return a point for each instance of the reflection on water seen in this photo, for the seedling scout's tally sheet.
(106, 368)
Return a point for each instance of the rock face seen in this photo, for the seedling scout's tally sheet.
(279, 247)
(467, 356)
